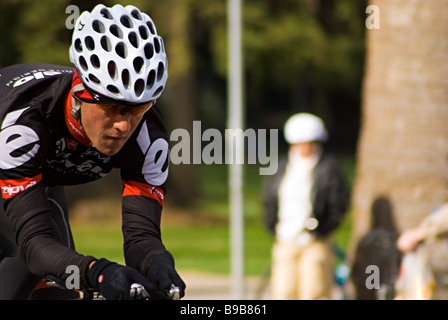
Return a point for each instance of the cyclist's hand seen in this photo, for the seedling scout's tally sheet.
(115, 281)
(164, 275)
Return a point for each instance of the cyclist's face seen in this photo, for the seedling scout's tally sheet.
(107, 132)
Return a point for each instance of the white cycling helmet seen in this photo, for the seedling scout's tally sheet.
(305, 127)
(118, 54)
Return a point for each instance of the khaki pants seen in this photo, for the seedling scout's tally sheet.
(302, 273)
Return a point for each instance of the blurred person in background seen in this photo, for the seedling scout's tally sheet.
(305, 202)
(65, 126)
(428, 241)
(377, 248)
(431, 228)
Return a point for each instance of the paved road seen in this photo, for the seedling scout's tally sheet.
(217, 287)
(202, 286)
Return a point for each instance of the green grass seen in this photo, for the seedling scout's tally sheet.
(204, 247)
(99, 240)
(200, 248)
(207, 248)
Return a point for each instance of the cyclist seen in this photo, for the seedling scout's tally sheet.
(64, 126)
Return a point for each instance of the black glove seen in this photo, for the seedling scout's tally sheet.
(162, 273)
(114, 281)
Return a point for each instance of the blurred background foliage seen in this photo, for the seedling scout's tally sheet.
(299, 56)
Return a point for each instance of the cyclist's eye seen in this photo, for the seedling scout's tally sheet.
(122, 111)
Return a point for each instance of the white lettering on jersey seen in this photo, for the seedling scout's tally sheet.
(156, 154)
(12, 138)
(34, 75)
(13, 190)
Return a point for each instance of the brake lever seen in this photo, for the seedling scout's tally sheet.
(174, 292)
(138, 292)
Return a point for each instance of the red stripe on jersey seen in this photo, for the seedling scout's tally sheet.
(11, 188)
(134, 188)
(72, 124)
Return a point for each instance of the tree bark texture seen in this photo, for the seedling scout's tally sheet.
(403, 144)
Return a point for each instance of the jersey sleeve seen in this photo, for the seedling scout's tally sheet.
(24, 143)
(144, 171)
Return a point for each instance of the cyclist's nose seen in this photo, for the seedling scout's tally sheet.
(123, 123)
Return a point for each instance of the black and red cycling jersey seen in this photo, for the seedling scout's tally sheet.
(43, 145)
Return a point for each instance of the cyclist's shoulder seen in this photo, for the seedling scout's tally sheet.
(154, 123)
(149, 148)
(20, 77)
(33, 84)
(33, 68)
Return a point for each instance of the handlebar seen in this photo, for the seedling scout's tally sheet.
(174, 292)
(140, 293)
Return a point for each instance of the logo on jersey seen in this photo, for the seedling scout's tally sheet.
(35, 75)
(155, 169)
(134, 188)
(18, 143)
(11, 188)
(72, 144)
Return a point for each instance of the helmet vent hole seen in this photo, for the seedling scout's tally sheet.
(138, 64)
(116, 31)
(139, 87)
(158, 91)
(149, 51)
(162, 45)
(151, 27)
(120, 49)
(95, 61)
(78, 45)
(160, 71)
(112, 70)
(126, 21)
(151, 79)
(157, 45)
(83, 63)
(94, 79)
(90, 44)
(143, 32)
(133, 39)
(125, 78)
(105, 44)
(106, 14)
(98, 26)
(136, 15)
(113, 89)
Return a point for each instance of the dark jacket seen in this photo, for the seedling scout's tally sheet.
(330, 196)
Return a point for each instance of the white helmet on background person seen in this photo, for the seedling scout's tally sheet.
(304, 127)
(119, 55)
